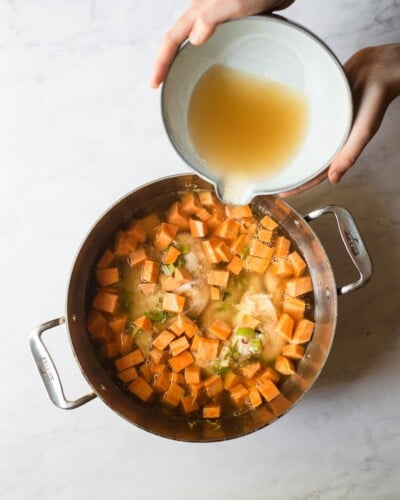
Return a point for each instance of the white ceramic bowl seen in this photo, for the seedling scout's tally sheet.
(279, 50)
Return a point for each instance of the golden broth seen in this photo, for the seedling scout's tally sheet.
(242, 123)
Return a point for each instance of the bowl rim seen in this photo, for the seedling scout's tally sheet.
(214, 179)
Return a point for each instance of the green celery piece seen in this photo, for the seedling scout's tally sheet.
(245, 331)
(245, 253)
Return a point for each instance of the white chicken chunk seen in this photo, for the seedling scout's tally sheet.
(260, 307)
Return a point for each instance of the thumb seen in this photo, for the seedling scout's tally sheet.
(368, 118)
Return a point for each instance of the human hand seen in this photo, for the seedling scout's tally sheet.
(374, 77)
(199, 22)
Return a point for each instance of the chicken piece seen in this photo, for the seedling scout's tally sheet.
(275, 287)
(260, 307)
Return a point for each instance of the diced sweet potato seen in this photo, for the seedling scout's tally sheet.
(259, 249)
(106, 259)
(95, 322)
(254, 397)
(150, 223)
(239, 394)
(256, 264)
(137, 257)
(198, 228)
(220, 329)
(128, 375)
(250, 369)
(267, 389)
(231, 379)
(132, 359)
(207, 198)
(176, 217)
(189, 327)
(265, 235)
(238, 212)
(182, 275)
(203, 214)
(144, 323)
(179, 345)
(177, 378)
(158, 356)
(215, 293)
(107, 276)
(161, 381)
(218, 278)
(169, 283)
(164, 235)
(294, 306)
(173, 395)
(299, 286)
(192, 375)
(209, 252)
(240, 243)
(213, 385)
(171, 255)
(190, 204)
(228, 229)
(105, 301)
(284, 366)
(177, 328)
(270, 374)
(222, 251)
(163, 340)
(293, 351)
(141, 389)
(303, 331)
(249, 321)
(189, 405)
(235, 266)
(207, 349)
(125, 243)
(146, 372)
(150, 271)
(118, 324)
(284, 327)
(196, 390)
(147, 288)
(181, 361)
(173, 302)
(195, 343)
(212, 410)
(281, 267)
(297, 263)
(138, 231)
(268, 223)
(282, 247)
(124, 342)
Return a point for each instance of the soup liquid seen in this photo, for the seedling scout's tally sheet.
(244, 124)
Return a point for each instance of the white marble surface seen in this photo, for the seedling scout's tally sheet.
(79, 128)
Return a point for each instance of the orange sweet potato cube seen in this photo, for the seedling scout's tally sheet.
(150, 223)
(198, 228)
(179, 345)
(282, 247)
(220, 329)
(240, 243)
(173, 395)
(299, 286)
(218, 278)
(270, 374)
(168, 283)
(303, 331)
(107, 276)
(171, 255)
(137, 257)
(141, 389)
(189, 404)
(138, 231)
(118, 324)
(268, 223)
(106, 259)
(282, 267)
(132, 359)
(173, 302)
(215, 293)
(192, 375)
(293, 351)
(181, 361)
(190, 203)
(293, 306)
(207, 349)
(189, 327)
(109, 350)
(256, 264)
(128, 375)
(209, 251)
(298, 264)
(158, 356)
(164, 235)
(222, 251)
(265, 235)
(182, 275)
(267, 389)
(161, 381)
(163, 340)
(250, 369)
(105, 301)
(250, 321)
(124, 243)
(284, 327)
(212, 410)
(259, 249)
(228, 229)
(284, 366)
(239, 394)
(213, 385)
(235, 266)
(238, 212)
(150, 271)
(144, 323)
(231, 379)
(176, 217)
(147, 288)
(254, 397)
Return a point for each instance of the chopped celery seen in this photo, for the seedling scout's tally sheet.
(157, 316)
(256, 346)
(245, 331)
(245, 253)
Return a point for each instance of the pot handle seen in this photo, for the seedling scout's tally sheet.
(352, 241)
(48, 371)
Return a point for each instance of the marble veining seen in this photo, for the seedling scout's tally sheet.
(79, 128)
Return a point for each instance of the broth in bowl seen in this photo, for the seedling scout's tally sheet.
(201, 309)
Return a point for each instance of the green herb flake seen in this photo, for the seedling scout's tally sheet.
(184, 249)
(157, 316)
(245, 331)
(180, 261)
(245, 253)
(256, 345)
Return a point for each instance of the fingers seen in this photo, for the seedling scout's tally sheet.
(314, 182)
(368, 118)
(201, 31)
(169, 46)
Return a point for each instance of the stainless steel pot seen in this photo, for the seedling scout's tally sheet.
(136, 204)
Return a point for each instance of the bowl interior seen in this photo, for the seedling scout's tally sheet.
(281, 51)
